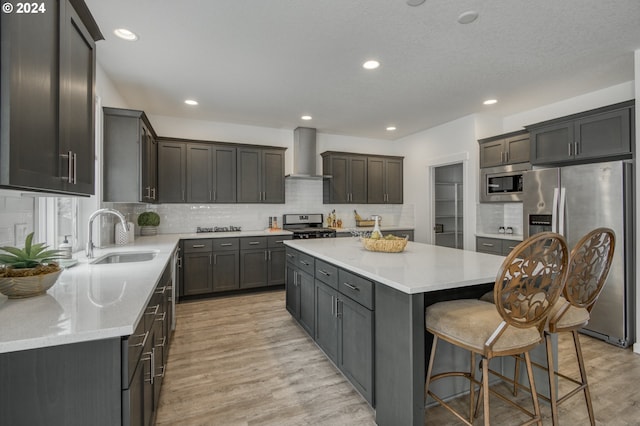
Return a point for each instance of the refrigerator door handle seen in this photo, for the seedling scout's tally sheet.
(561, 210)
(554, 211)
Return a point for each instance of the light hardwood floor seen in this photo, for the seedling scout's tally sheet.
(242, 360)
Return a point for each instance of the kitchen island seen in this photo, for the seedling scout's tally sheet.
(387, 292)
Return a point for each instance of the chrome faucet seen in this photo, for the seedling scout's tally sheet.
(95, 214)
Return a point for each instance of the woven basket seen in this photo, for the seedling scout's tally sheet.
(21, 287)
(386, 246)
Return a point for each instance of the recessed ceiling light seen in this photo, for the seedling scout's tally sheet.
(371, 65)
(490, 101)
(306, 117)
(391, 128)
(467, 17)
(191, 102)
(415, 2)
(125, 34)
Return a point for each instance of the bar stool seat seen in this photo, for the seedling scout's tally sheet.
(470, 324)
(572, 316)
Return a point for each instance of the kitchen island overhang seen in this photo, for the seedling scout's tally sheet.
(403, 285)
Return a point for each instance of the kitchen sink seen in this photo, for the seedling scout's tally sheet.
(125, 257)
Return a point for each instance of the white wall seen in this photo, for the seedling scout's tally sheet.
(449, 143)
(610, 95)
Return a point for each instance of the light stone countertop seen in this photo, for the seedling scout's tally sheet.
(370, 228)
(92, 302)
(420, 268)
(512, 237)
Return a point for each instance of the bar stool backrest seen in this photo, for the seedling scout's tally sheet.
(530, 280)
(589, 266)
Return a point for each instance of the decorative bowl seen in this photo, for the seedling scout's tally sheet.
(28, 286)
(395, 245)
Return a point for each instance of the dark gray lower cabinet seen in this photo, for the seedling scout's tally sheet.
(326, 324)
(254, 268)
(114, 381)
(355, 346)
(225, 270)
(197, 274)
(300, 297)
(342, 327)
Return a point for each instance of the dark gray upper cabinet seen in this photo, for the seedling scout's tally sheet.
(172, 165)
(510, 148)
(47, 103)
(384, 180)
(130, 157)
(260, 175)
(600, 134)
(211, 173)
(348, 181)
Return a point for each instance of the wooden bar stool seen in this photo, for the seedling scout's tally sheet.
(589, 264)
(527, 286)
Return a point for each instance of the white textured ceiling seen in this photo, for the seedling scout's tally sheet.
(267, 62)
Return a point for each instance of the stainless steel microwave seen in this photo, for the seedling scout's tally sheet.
(502, 184)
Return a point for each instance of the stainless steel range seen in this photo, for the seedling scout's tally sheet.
(307, 226)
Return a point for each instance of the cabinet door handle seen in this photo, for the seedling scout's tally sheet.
(570, 145)
(161, 290)
(576, 151)
(352, 287)
(161, 375)
(323, 272)
(161, 317)
(153, 193)
(304, 263)
(338, 303)
(506, 157)
(148, 356)
(214, 196)
(69, 157)
(487, 245)
(226, 244)
(75, 168)
(152, 310)
(198, 246)
(279, 241)
(144, 340)
(210, 197)
(254, 243)
(290, 256)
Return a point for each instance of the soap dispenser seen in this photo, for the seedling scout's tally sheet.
(376, 234)
(65, 248)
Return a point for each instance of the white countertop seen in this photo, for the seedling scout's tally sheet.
(370, 228)
(420, 268)
(513, 237)
(92, 302)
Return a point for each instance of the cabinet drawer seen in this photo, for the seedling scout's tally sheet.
(355, 287)
(277, 241)
(508, 245)
(222, 244)
(327, 273)
(489, 245)
(196, 246)
(251, 243)
(306, 263)
(292, 256)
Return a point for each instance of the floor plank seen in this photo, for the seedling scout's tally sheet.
(242, 360)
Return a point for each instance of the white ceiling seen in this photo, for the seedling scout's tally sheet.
(267, 62)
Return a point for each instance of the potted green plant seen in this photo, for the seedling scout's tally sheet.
(29, 271)
(148, 223)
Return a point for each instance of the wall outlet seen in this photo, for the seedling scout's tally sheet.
(20, 234)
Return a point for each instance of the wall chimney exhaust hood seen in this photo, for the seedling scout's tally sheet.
(304, 154)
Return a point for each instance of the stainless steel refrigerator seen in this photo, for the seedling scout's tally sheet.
(574, 200)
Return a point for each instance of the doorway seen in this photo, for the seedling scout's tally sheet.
(448, 208)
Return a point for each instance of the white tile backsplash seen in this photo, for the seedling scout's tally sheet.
(302, 196)
(491, 216)
(14, 210)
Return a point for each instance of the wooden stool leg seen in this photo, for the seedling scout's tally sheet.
(472, 386)
(583, 375)
(553, 390)
(516, 375)
(532, 385)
